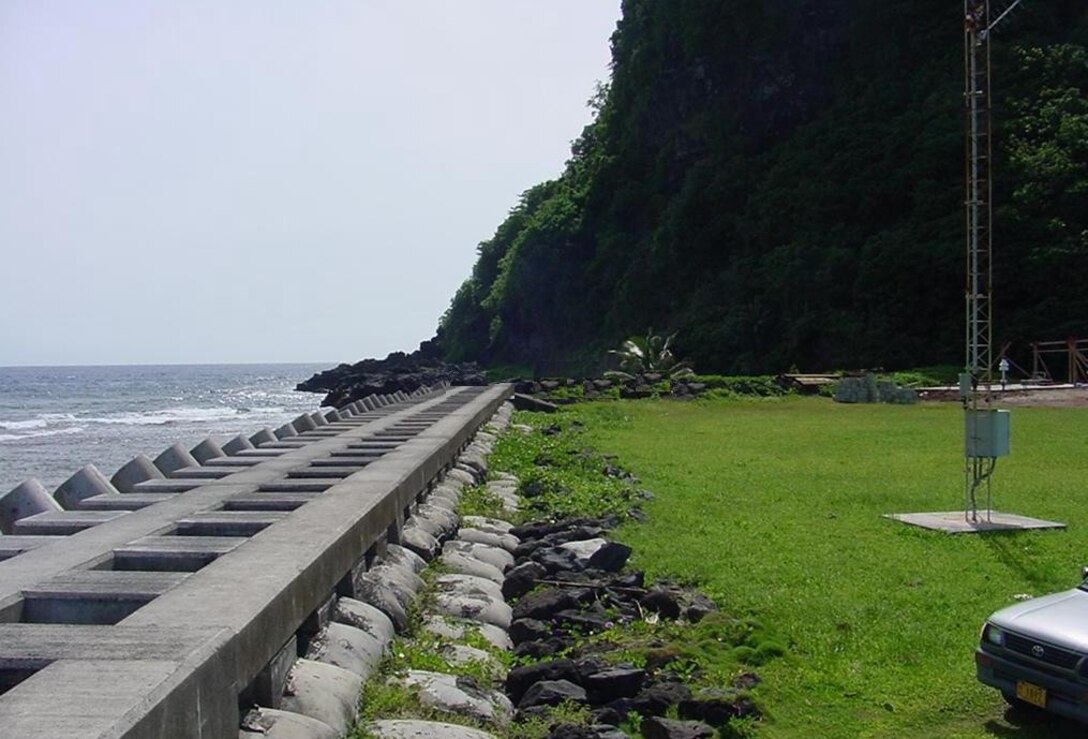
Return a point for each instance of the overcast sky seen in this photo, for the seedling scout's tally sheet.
(269, 180)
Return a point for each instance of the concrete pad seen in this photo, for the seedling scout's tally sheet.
(268, 723)
(94, 596)
(163, 486)
(13, 546)
(228, 523)
(955, 522)
(324, 692)
(268, 501)
(127, 502)
(173, 553)
(409, 729)
(64, 523)
(459, 695)
(316, 485)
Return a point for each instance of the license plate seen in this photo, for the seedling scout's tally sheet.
(1031, 693)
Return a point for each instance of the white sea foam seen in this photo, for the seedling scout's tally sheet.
(37, 434)
(39, 422)
(174, 416)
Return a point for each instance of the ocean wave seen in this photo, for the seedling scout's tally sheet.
(39, 422)
(174, 416)
(37, 434)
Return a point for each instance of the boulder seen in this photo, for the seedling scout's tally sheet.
(268, 723)
(663, 728)
(409, 729)
(552, 693)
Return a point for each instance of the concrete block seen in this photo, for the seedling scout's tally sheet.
(451, 694)
(286, 431)
(303, 423)
(174, 458)
(13, 546)
(456, 629)
(364, 616)
(173, 553)
(263, 436)
(29, 498)
(86, 483)
(457, 561)
(228, 523)
(63, 523)
(412, 729)
(94, 596)
(345, 646)
(333, 415)
(140, 469)
(268, 686)
(207, 450)
(269, 723)
(318, 419)
(327, 693)
(237, 444)
(127, 502)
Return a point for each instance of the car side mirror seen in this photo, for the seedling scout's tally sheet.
(1084, 573)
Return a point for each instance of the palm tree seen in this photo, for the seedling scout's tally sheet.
(649, 354)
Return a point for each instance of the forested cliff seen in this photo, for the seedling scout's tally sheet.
(781, 183)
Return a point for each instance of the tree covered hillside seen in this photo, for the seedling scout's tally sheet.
(780, 183)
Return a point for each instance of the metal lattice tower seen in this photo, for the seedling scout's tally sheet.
(977, 394)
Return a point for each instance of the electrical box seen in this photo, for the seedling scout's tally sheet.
(986, 434)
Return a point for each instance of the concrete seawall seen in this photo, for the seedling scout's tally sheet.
(164, 601)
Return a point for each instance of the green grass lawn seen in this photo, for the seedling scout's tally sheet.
(774, 508)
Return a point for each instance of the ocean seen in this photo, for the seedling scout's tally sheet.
(54, 420)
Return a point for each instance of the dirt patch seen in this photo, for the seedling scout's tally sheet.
(1066, 397)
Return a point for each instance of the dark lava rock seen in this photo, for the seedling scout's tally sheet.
(529, 403)
(573, 731)
(540, 529)
(543, 604)
(616, 682)
(664, 602)
(529, 629)
(747, 681)
(701, 607)
(557, 559)
(543, 648)
(608, 715)
(656, 699)
(347, 383)
(663, 728)
(633, 579)
(716, 707)
(519, 679)
(521, 579)
(582, 621)
(552, 693)
(611, 557)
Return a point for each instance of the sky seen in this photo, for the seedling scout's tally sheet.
(196, 181)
